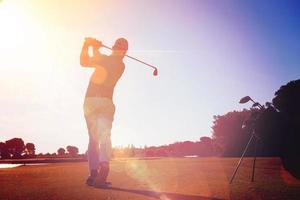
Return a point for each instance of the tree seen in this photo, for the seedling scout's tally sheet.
(61, 151)
(131, 150)
(228, 134)
(4, 154)
(15, 147)
(287, 101)
(30, 148)
(40, 155)
(205, 139)
(267, 123)
(72, 150)
(47, 154)
(269, 128)
(206, 146)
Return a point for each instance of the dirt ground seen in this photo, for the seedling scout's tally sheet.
(156, 178)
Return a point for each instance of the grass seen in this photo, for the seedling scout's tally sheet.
(161, 178)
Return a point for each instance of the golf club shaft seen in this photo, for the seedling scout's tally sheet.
(259, 105)
(241, 159)
(254, 159)
(133, 58)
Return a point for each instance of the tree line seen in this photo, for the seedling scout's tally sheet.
(203, 147)
(15, 148)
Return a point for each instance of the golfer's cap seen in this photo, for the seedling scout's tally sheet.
(121, 44)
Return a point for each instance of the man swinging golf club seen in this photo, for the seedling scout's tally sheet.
(98, 106)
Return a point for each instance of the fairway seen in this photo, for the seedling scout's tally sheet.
(156, 178)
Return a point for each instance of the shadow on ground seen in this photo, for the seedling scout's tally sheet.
(164, 196)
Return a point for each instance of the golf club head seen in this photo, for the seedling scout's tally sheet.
(245, 99)
(256, 104)
(155, 72)
(268, 104)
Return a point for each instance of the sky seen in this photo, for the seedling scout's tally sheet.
(209, 54)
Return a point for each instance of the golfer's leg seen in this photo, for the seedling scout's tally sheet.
(105, 148)
(93, 155)
(104, 156)
(93, 147)
(104, 127)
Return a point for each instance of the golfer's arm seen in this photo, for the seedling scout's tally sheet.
(86, 60)
(84, 56)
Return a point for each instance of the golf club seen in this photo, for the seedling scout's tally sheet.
(155, 72)
(247, 98)
(253, 138)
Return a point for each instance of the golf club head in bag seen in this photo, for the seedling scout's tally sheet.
(155, 72)
(245, 99)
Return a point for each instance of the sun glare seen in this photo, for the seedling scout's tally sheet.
(20, 34)
(13, 28)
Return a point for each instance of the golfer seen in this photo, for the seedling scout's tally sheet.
(98, 105)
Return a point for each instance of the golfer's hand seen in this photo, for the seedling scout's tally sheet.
(97, 44)
(93, 42)
(89, 41)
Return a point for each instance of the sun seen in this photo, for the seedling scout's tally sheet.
(19, 34)
(12, 28)
(18, 27)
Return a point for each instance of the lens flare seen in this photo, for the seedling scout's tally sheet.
(140, 171)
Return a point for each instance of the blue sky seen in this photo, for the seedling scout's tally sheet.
(209, 55)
